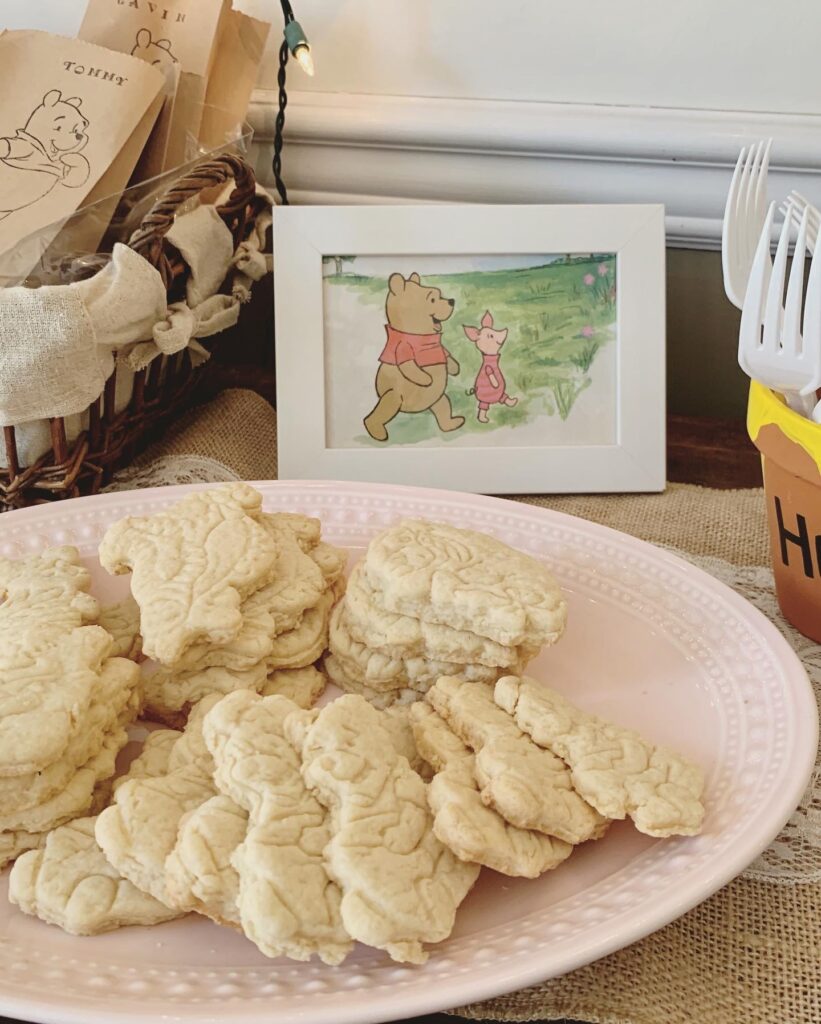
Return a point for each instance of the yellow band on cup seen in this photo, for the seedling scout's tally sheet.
(766, 407)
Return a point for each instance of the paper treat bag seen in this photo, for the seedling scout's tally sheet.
(67, 110)
(176, 32)
(240, 46)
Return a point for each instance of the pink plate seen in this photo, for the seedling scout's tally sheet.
(652, 642)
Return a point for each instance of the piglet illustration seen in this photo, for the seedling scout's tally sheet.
(489, 388)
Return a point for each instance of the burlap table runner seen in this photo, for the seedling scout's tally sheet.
(749, 955)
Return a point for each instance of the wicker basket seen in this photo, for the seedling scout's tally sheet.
(162, 391)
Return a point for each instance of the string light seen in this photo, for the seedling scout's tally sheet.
(296, 39)
(295, 43)
(299, 46)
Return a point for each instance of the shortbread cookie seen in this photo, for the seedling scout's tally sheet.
(474, 832)
(381, 671)
(139, 830)
(44, 690)
(306, 529)
(288, 905)
(43, 597)
(401, 887)
(115, 702)
(13, 844)
(298, 584)
(614, 769)
(303, 686)
(70, 883)
(530, 787)
(398, 723)
(303, 645)
(153, 759)
(199, 874)
(298, 581)
(122, 622)
(169, 695)
(467, 580)
(402, 636)
(340, 676)
(77, 797)
(330, 560)
(192, 566)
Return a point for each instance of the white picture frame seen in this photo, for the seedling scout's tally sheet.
(633, 459)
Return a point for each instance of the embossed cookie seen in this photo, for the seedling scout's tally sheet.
(288, 904)
(530, 787)
(78, 795)
(401, 887)
(122, 622)
(69, 882)
(304, 644)
(139, 830)
(42, 598)
(199, 874)
(306, 529)
(614, 769)
(467, 580)
(381, 671)
(115, 702)
(169, 695)
(303, 686)
(330, 560)
(340, 676)
(44, 690)
(12, 844)
(402, 636)
(191, 566)
(474, 832)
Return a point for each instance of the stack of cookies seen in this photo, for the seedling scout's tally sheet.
(227, 595)
(65, 703)
(428, 599)
(522, 775)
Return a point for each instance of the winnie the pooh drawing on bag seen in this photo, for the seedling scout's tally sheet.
(153, 51)
(44, 154)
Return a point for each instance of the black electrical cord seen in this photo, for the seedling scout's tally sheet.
(279, 125)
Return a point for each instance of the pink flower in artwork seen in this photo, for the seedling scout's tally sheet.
(588, 331)
(604, 270)
(588, 279)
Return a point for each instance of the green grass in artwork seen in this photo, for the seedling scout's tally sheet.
(559, 317)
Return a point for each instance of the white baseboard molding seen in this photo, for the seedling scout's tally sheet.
(383, 149)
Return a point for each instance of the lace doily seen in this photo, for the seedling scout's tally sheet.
(170, 470)
(794, 857)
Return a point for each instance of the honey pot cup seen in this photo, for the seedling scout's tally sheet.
(790, 447)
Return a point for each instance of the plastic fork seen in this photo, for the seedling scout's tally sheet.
(772, 347)
(744, 215)
(796, 204)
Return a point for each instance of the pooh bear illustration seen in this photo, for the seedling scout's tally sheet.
(414, 365)
(43, 154)
(153, 51)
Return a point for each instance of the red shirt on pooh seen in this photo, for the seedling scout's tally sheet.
(422, 349)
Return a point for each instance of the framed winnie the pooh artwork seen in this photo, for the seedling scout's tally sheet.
(496, 349)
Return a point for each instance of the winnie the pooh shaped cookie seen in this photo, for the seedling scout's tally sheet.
(44, 153)
(414, 365)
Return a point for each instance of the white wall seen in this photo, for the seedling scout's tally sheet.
(753, 55)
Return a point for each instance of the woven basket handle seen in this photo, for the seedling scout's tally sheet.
(149, 238)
